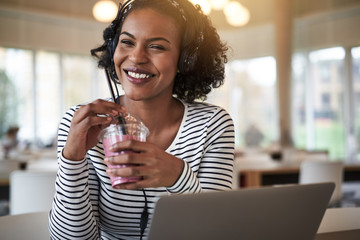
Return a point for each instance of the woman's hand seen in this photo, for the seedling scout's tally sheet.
(86, 125)
(156, 167)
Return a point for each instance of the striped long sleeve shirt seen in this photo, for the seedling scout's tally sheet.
(85, 205)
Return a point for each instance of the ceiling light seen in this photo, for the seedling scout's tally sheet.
(218, 4)
(105, 11)
(236, 14)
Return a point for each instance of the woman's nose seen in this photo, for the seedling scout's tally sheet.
(138, 55)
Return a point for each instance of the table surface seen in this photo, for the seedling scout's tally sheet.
(288, 167)
(343, 235)
(252, 175)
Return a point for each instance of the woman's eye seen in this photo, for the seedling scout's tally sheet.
(157, 47)
(127, 42)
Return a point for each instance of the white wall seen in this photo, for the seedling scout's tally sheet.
(327, 29)
(251, 42)
(38, 30)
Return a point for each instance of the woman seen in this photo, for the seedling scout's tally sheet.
(165, 54)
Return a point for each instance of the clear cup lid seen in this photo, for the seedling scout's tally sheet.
(123, 118)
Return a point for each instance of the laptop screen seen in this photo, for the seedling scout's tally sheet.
(282, 213)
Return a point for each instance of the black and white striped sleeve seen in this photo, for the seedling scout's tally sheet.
(74, 211)
(209, 136)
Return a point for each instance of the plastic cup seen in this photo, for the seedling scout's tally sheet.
(132, 129)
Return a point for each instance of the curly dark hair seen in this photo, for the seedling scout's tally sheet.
(202, 55)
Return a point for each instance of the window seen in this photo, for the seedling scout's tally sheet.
(47, 96)
(325, 99)
(324, 72)
(40, 87)
(355, 56)
(19, 92)
(299, 101)
(77, 79)
(250, 96)
(318, 122)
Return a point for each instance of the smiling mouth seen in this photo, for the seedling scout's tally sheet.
(139, 75)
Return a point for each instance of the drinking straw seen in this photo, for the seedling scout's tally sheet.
(120, 118)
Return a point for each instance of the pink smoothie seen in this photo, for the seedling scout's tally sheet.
(107, 143)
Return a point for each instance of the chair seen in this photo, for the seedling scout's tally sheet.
(6, 167)
(323, 171)
(25, 226)
(31, 191)
(340, 219)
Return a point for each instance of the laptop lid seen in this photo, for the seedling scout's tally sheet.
(281, 213)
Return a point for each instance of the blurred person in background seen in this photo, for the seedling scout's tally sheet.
(10, 140)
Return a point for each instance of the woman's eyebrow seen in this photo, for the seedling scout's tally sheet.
(158, 39)
(149, 40)
(128, 34)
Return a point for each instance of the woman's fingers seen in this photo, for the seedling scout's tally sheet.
(134, 146)
(131, 152)
(156, 167)
(97, 108)
(92, 121)
(86, 124)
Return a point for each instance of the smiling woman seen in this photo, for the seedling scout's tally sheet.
(194, 61)
(165, 55)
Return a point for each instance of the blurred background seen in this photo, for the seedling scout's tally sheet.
(292, 80)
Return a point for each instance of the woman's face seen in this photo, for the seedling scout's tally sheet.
(147, 54)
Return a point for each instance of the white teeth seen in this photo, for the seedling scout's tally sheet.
(138, 75)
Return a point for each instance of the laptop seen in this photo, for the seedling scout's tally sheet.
(280, 213)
